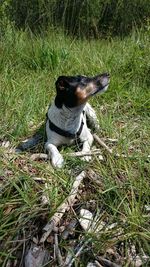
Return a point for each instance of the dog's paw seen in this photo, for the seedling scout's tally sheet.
(57, 162)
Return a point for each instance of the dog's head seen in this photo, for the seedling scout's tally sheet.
(73, 91)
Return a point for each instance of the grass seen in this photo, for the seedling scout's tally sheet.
(29, 66)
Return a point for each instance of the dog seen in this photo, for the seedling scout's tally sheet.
(68, 115)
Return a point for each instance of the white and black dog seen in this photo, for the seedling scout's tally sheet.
(67, 116)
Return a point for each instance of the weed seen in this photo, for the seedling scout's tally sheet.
(29, 66)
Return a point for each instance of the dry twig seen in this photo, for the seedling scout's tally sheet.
(37, 156)
(100, 142)
(112, 140)
(98, 264)
(44, 156)
(79, 251)
(69, 229)
(110, 151)
(63, 207)
(107, 263)
(57, 252)
(39, 179)
(82, 154)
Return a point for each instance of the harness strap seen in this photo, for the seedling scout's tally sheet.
(64, 133)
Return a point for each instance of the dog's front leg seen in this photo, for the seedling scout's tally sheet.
(87, 143)
(92, 119)
(54, 155)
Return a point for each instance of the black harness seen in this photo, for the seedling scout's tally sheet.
(64, 133)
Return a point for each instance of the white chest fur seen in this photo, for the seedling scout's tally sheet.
(68, 120)
(65, 118)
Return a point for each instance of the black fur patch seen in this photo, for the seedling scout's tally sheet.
(66, 87)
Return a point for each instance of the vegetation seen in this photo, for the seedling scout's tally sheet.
(29, 66)
(79, 17)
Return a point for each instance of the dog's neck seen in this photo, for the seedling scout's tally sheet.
(68, 119)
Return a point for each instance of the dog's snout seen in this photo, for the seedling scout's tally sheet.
(104, 79)
(104, 76)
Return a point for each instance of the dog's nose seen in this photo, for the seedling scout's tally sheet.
(104, 79)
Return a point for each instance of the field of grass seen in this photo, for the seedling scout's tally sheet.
(29, 66)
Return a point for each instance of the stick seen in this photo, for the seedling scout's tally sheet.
(68, 258)
(57, 252)
(39, 156)
(39, 179)
(112, 140)
(44, 156)
(107, 263)
(82, 154)
(77, 254)
(63, 207)
(100, 142)
(70, 229)
(98, 264)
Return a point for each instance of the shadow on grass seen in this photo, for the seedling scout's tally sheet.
(35, 143)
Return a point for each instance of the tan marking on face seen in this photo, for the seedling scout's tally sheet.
(90, 88)
(84, 94)
(81, 96)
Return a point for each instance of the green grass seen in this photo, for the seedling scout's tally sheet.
(29, 66)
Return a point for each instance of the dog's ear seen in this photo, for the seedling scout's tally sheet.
(61, 83)
(60, 88)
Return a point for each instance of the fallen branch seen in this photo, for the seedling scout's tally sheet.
(106, 262)
(63, 207)
(68, 258)
(37, 156)
(44, 156)
(91, 264)
(39, 179)
(82, 154)
(57, 252)
(110, 151)
(98, 264)
(111, 140)
(79, 251)
(69, 229)
(100, 142)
